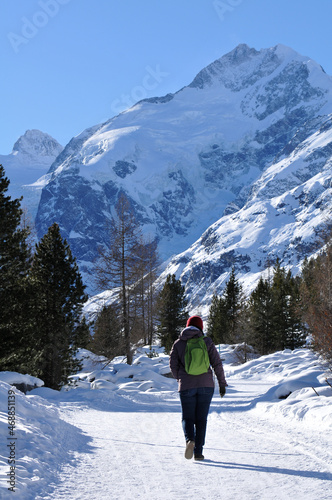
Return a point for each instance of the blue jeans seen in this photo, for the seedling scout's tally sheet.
(195, 408)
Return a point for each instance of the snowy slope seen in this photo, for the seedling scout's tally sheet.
(33, 154)
(117, 434)
(187, 159)
(286, 216)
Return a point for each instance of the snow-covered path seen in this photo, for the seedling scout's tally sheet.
(136, 452)
(117, 434)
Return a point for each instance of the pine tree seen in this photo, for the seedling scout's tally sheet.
(226, 321)
(260, 318)
(14, 293)
(59, 329)
(280, 296)
(287, 329)
(297, 330)
(214, 324)
(275, 313)
(107, 339)
(281, 292)
(231, 306)
(172, 311)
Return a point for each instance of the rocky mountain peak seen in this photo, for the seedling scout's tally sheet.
(243, 67)
(37, 143)
(234, 68)
(240, 54)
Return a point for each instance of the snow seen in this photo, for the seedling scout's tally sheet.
(115, 432)
(27, 167)
(281, 218)
(20, 378)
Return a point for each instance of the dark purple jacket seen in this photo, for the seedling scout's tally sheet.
(177, 363)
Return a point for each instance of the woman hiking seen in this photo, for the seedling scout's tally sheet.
(196, 391)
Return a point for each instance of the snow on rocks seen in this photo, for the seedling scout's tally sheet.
(146, 373)
(22, 382)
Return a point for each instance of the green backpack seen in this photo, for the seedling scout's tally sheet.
(196, 357)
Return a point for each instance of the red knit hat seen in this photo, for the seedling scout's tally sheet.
(195, 321)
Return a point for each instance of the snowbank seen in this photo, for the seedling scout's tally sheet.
(14, 378)
(146, 373)
(33, 438)
(23, 382)
(300, 389)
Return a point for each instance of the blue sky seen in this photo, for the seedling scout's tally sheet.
(69, 64)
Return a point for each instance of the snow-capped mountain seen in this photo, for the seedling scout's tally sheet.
(287, 216)
(32, 155)
(246, 144)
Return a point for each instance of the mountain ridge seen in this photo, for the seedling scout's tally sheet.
(204, 158)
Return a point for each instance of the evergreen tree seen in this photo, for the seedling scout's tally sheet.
(287, 328)
(59, 329)
(275, 313)
(172, 311)
(226, 322)
(231, 308)
(280, 296)
(14, 291)
(297, 330)
(260, 318)
(107, 339)
(214, 326)
(217, 323)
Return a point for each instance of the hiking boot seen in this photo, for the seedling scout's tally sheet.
(199, 457)
(189, 450)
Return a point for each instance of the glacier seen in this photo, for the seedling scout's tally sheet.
(232, 170)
